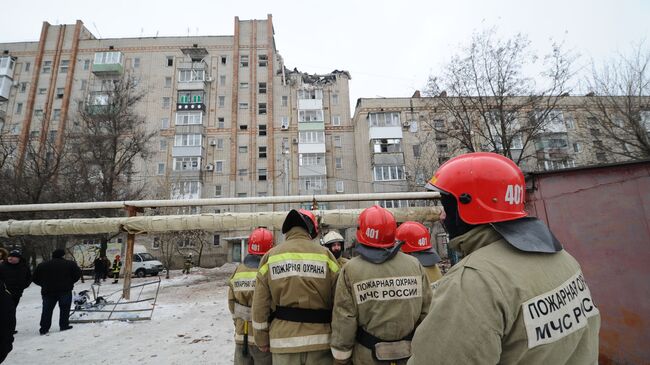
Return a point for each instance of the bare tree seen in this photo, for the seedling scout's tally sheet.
(620, 107)
(106, 142)
(491, 99)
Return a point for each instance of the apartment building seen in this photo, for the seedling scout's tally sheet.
(230, 119)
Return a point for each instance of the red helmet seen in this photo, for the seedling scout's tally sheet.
(260, 241)
(376, 227)
(302, 218)
(488, 187)
(415, 236)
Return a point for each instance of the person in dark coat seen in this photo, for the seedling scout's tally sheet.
(107, 266)
(56, 279)
(100, 268)
(16, 275)
(7, 322)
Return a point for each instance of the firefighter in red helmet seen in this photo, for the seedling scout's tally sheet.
(516, 296)
(296, 282)
(241, 287)
(382, 295)
(415, 240)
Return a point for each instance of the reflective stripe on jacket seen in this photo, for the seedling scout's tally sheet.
(387, 300)
(298, 273)
(241, 287)
(502, 305)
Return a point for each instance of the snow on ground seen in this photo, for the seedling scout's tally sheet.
(190, 325)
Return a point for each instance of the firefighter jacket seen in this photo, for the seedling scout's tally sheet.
(503, 305)
(240, 300)
(300, 275)
(342, 261)
(386, 300)
(434, 274)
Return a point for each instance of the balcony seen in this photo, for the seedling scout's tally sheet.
(7, 64)
(192, 76)
(310, 104)
(183, 151)
(311, 126)
(385, 132)
(106, 63)
(190, 129)
(5, 87)
(394, 158)
(311, 148)
(312, 170)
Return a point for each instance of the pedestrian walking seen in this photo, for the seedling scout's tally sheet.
(56, 278)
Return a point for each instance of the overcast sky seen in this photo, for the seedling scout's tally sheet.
(389, 47)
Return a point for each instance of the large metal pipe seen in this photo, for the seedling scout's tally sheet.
(341, 218)
(218, 201)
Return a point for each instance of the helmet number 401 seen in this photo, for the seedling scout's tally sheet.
(515, 194)
(372, 233)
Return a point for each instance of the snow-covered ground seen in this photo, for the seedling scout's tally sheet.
(190, 325)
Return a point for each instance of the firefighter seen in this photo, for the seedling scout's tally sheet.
(296, 282)
(240, 299)
(187, 265)
(336, 244)
(516, 296)
(382, 295)
(117, 266)
(416, 241)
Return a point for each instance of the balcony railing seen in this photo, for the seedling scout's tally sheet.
(108, 63)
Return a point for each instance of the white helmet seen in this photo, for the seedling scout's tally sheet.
(331, 237)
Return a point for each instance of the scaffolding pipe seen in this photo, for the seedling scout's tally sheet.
(219, 201)
(338, 218)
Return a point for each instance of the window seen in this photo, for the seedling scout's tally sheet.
(243, 85)
(189, 118)
(261, 87)
(224, 60)
(570, 123)
(311, 159)
(38, 113)
(310, 115)
(438, 124)
(261, 108)
(28, 65)
(336, 120)
(243, 127)
(261, 174)
(384, 119)
(337, 141)
(56, 115)
(216, 240)
(186, 163)
(339, 186)
(86, 65)
(161, 168)
(285, 100)
(242, 172)
(218, 167)
(190, 97)
(222, 101)
(19, 108)
(163, 144)
(41, 91)
(187, 140)
(443, 148)
(108, 58)
(63, 66)
(262, 129)
(164, 123)
(387, 145)
(84, 83)
(219, 143)
(191, 75)
(242, 195)
(136, 62)
(217, 190)
(243, 106)
(311, 137)
(262, 60)
(313, 182)
(594, 132)
(170, 61)
(222, 80)
(335, 99)
(168, 81)
(388, 172)
(59, 92)
(261, 151)
(284, 122)
(394, 203)
(221, 122)
(310, 94)
(23, 87)
(243, 149)
(577, 147)
(166, 102)
(416, 150)
(47, 67)
(243, 61)
(338, 162)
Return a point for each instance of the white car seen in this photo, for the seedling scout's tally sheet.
(145, 264)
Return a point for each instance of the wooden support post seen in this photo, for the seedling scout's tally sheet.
(128, 262)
